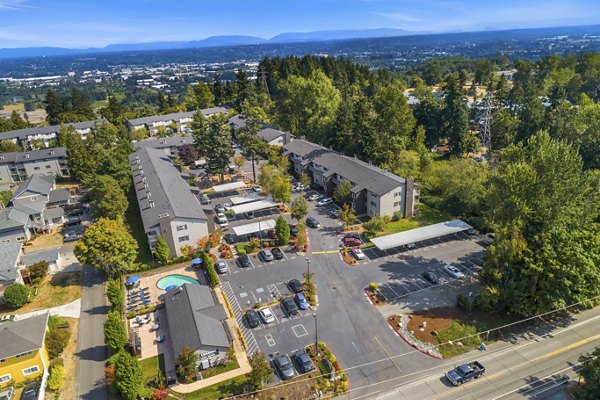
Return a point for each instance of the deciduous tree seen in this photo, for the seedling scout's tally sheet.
(347, 215)
(161, 250)
(185, 364)
(16, 295)
(107, 198)
(299, 208)
(341, 194)
(282, 230)
(188, 153)
(261, 372)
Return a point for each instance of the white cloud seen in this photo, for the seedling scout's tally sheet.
(398, 16)
(13, 5)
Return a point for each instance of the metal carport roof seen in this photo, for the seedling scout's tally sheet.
(254, 227)
(229, 186)
(245, 199)
(254, 206)
(420, 234)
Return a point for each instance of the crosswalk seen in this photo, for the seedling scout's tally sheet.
(252, 345)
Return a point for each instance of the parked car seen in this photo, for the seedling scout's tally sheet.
(204, 199)
(7, 394)
(289, 306)
(249, 215)
(431, 277)
(301, 300)
(277, 253)
(221, 267)
(353, 235)
(284, 366)
(221, 218)
(358, 254)
(303, 361)
(71, 236)
(72, 221)
(352, 242)
(334, 214)
(219, 209)
(411, 246)
(314, 197)
(293, 231)
(295, 286)
(160, 339)
(229, 238)
(453, 271)
(265, 255)
(257, 189)
(325, 202)
(252, 318)
(76, 212)
(31, 391)
(244, 261)
(312, 222)
(267, 315)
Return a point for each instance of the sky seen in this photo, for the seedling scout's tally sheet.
(96, 23)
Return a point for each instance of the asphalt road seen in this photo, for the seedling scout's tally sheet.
(91, 350)
(530, 367)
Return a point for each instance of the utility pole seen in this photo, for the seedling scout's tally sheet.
(262, 78)
(486, 122)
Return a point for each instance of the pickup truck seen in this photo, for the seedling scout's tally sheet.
(465, 372)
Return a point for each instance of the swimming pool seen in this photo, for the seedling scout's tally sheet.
(176, 280)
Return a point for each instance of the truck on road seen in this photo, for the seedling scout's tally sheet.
(465, 372)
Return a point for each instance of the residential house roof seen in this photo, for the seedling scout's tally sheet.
(269, 134)
(33, 155)
(160, 190)
(23, 134)
(194, 318)
(9, 255)
(54, 212)
(170, 141)
(35, 184)
(174, 116)
(59, 196)
(31, 208)
(23, 335)
(49, 255)
(237, 120)
(11, 218)
(360, 173)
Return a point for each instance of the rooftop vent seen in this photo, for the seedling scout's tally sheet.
(151, 203)
(26, 155)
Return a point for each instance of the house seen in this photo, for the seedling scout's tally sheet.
(59, 198)
(175, 122)
(23, 352)
(195, 320)
(15, 226)
(32, 197)
(17, 167)
(9, 265)
(51, 256)
(236, 122)
(274, 137)
(167, 206)
(47, 136)
(169, 144)
(374, 191)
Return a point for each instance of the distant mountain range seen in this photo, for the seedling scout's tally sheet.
(212, 41)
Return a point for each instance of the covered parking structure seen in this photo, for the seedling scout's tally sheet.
(420, 234)
(226, 187)
(254, 206)
(254, 227)
(247, 198)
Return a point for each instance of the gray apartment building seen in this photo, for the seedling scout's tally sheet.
(168, 144)
(17, 167)
(47, 135)
(180, 121)
(374, 191)
(167, 205)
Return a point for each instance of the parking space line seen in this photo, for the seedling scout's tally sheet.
(299, 330)
(390, 288)
(252, 345)
(270, 340)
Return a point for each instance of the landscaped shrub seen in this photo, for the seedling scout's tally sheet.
(115, 294)
(39, 270)
(209, 268)
(56, 341)
(463, 302)
(114, 332)
(397, 216)
(16, 295)
(57, 376)
(373, 287)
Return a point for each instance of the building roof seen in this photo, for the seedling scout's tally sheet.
(174, 116)
(33, 155)
(254, 227)
(269, 134)
(23, 134)
(237, 120)
(35, 184)
(31, 208)
(169, 141)
(420, 234)
(54, 212)
(194, 318)
(9, 255)
(160, 190)
(48, 255)
(229, 186)
(21, 336)
(254, 206)
(11, 218)
(59, 196)
(362, 174)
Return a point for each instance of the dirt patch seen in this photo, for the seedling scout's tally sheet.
(348, 259)
(50, 240)
(70, 362)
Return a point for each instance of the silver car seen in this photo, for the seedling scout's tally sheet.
(221, 267)
(266, 255)
(453, 271)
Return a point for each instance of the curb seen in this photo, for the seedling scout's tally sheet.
(412, 344)
(370, 301)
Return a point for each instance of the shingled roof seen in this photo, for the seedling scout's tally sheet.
(22, 336)
(174, 116)
(33, 155)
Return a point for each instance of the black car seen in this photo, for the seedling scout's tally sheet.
(75, 213)
(252, 318)
(229, 238)
(295, 285)
(244, 261)
(431, 277)
(289, 306)
(293, 231)
(204, 199)
(303, 361)
(312, 222)
(249, 215)
(277, 253)
(72, 221)
(31, 391)
(284, 366)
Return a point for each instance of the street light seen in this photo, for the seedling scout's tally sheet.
(307, 269)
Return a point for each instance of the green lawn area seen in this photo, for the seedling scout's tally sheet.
(151, 366)
(427, 216)
(458, 330)
(134, 219)
(228, 366)
(99, 104)
(221, 390)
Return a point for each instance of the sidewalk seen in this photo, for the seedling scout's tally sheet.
(71, 310)
(240, 354)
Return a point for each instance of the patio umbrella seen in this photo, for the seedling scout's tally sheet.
(171, 287)
(197, 261)
(132, 279)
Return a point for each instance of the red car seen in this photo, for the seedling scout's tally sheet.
(352, 242)
(272, 234)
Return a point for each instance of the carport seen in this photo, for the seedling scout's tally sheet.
(244, 199)
(228, 186)
(420, 234)
(254, 227)
(254, 206)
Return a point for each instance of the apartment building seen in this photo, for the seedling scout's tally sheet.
(374, 191)
(169, 144)
(167, 206)
(47, 136)
(274, 137)
(17, 167)
(176, 122)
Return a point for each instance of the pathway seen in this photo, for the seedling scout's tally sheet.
(71, 310)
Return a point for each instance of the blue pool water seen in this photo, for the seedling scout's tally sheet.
(176, 280)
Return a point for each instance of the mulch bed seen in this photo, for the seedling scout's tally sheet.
(376, 298)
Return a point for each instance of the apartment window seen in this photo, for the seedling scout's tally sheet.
(48, 166)
(34, 198)
(23, 354)
(5, 378)
(36, 168)
(182, 227)
(396, 204)
(374, 195)
(21, 239)
(373, 203)
(184, 238)
(31, 370)
(397, 194)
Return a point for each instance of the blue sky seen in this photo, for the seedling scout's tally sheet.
(86, 23)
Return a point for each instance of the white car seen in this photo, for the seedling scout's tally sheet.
(313, 197)
(358, 254)
(227, 206)
(324, 202)
(257, 189)
(267, 315)
(453, 271)
(221, 218)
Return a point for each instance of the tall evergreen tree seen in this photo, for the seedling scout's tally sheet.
(213, 139)
(456, 118)
(54, 107)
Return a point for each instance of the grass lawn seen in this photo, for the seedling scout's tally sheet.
(427, 216)
(18, 107)
(151, 367)
(56, 290)
(134, 219)
(99, 104)
(458, 330)
(226, 388)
